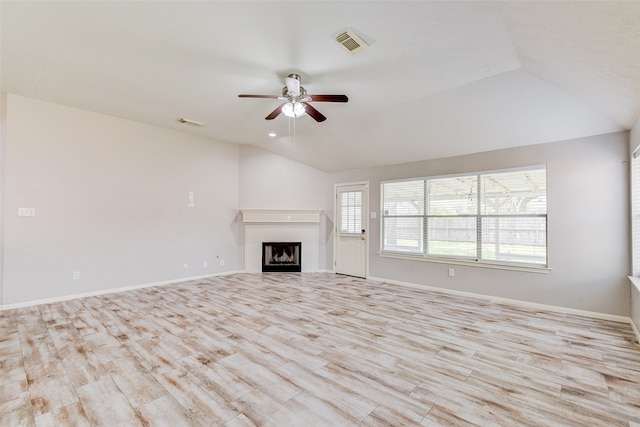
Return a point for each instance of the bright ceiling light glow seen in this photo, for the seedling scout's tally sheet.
(293, 109)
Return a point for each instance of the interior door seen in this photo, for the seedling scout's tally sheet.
(351, 229)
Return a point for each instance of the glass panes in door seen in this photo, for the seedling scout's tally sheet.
(350, 212)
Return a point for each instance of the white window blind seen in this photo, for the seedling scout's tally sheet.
(403, 210)
(497, 217)
(350, 214)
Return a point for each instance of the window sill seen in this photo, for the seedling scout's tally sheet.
(635, 281)
(453, 261)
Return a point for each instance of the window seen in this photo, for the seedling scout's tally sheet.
(350, 211)
(635, 213)
(496, 217)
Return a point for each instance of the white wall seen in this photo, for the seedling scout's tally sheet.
(588, 227)
(271, 181)
(111, 202)
(110, 198)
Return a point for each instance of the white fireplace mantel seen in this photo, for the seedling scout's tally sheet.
(273, 225)
(274, 215)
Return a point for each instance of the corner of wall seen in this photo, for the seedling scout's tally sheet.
(307, 191)
(3, 138)
(635, 308)
(634, 137)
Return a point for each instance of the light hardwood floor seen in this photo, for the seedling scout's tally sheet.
(311, 349)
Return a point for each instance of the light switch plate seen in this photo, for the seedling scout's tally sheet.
(26, 211)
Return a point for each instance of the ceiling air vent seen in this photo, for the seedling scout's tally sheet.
(351, 41)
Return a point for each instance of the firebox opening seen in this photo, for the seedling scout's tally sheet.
(281, 256)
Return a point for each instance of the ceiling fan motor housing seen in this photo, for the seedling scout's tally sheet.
(286, 94)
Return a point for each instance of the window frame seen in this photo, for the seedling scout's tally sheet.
(634, 172)
(479, 216)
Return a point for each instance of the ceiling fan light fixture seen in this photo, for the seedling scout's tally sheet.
(297, 102)
(293, 109)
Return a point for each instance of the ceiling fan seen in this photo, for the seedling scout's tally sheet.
(297, 100)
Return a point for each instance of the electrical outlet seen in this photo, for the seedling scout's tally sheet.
(221, 262)
(452, 272)
(76, 275)
(204, 264)
(185, 266)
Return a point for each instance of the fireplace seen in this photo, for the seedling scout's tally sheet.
(269, 225)
(281, 256)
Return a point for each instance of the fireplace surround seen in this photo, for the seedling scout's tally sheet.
(268, 225)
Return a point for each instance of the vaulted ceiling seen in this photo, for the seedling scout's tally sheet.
(439, 78)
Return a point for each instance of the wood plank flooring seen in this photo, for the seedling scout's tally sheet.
(311, 350)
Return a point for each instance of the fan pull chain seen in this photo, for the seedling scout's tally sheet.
(294, 129)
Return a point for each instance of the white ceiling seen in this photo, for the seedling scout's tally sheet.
(441, 78)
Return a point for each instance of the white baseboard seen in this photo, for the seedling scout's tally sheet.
(111, 291)
(525, 304)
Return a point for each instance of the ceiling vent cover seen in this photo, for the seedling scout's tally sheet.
(351, 41)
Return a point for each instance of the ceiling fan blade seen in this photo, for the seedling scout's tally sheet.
(329, 98)
(315, 114)
(259, 96)
(275, 113)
